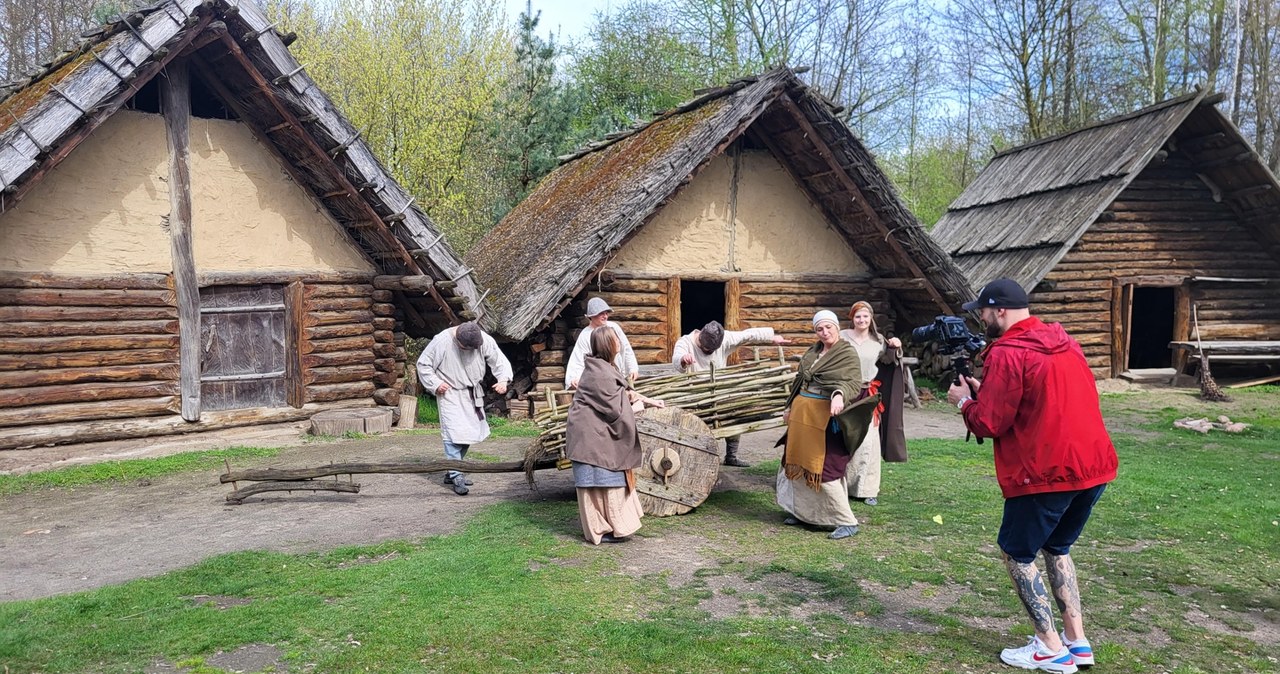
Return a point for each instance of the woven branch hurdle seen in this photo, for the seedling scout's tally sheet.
(731, 400)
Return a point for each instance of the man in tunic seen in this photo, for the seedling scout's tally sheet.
(711, 346)
(598, 313)
(453, 367)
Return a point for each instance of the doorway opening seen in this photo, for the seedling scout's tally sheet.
(1151, 328)
(700, 303)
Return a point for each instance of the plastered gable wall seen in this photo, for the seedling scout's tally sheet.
(102, 210)
(776, 229)
(248, 214)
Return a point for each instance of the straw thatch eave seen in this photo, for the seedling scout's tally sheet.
(545, 251)
(235, 50)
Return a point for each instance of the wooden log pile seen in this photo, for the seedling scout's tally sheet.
(732, 400)
(84, 348)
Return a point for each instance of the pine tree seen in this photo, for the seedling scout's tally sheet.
(532, 124)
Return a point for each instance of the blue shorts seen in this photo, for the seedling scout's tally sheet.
(1051, 522)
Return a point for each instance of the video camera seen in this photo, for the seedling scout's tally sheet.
(952, 335)
(954, 339)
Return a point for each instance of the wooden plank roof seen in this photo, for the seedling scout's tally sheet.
(1031, 203)
(544, 252)
(236, 50)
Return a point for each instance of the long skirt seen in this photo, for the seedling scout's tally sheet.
(609, 510)
(864, 469)
(826, 508)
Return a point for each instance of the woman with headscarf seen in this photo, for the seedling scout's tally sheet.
(602, 442)
(827, 414)
(881, 360)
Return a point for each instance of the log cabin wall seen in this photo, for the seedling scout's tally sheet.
(788, 307)
(86, 358)
(1166, 223)
(76, 348)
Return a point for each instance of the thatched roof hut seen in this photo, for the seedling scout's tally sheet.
(1121, 227)
(752, 186)
(193, 236)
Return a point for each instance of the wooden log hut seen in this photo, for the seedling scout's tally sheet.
(752, 204)
(1119, 229)
(193, 237)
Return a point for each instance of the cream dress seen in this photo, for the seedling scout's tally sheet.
(864, 468)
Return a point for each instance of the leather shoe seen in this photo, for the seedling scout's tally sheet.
(791, 521)
(733, 460)
(460, 486)
(448, 481)
(610, 538)
(844, 531)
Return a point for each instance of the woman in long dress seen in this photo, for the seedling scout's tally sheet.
(873, 351)
(811, 483)
(602, 443)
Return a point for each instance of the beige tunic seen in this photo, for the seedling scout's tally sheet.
(625, 361)
(864, 468)
(443, 361)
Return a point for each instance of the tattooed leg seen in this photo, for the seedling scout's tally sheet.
(1035, 598)
(1066, 590)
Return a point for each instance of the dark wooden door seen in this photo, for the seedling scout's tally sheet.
(242, 347)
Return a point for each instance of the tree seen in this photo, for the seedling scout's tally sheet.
(532, 121)
(636, 63)
(418, 78)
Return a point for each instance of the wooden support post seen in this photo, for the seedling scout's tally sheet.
(294, 334)
(673, 315)
(176, 100)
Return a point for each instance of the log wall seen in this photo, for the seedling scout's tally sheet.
(80, 355)
(1165, 224)
(85, 348)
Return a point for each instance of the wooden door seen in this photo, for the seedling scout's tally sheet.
(242, 347)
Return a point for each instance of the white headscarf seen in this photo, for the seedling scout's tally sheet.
(827, 316)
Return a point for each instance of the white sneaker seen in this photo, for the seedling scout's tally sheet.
(1036, 656)
(1081, 650)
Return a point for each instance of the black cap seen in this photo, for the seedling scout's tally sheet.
(1002, 293)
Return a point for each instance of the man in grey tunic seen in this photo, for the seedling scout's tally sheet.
(700, 349)
(453, 367)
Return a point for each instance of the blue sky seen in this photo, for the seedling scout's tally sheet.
(568, 18)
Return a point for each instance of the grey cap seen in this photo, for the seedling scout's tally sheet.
(469, 335)
(597, 306)
(711, 336)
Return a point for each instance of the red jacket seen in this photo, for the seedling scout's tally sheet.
(1039, 401)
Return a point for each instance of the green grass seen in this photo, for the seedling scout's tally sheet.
(128, 470)
(501, 427)
(1189, 527)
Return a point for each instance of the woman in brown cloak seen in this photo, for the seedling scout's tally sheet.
(827, 415)
(602, 443)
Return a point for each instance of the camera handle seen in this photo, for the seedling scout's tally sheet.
(960, 365)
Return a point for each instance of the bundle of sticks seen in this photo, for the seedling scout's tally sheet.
(731, 400)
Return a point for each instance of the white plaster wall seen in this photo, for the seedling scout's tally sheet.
(102, 210)
(692, 233)
(248, 214)
(776, 229)
(779, 230)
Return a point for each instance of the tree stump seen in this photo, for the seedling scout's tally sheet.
(341, 422)
(680, 464)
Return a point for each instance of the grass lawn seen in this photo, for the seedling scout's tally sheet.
(1180, 566)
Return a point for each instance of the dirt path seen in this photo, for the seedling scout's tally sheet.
(64, 540)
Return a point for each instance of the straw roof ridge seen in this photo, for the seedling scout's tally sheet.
(49, 113)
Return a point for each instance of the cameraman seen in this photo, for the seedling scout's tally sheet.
(1053, 459)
